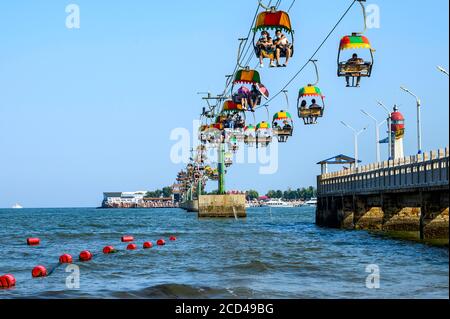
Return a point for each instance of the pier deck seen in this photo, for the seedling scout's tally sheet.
(406, 195)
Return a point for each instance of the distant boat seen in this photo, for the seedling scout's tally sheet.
(312, 202)
(17, 206)
(278, 203)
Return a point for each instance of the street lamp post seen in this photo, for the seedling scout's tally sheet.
(419, 118)
(377, 133)
(389, 122)
(356, 135)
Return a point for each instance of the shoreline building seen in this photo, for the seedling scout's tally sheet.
(135, 200)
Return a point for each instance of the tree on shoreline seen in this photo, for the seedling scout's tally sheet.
(300, 193)
(166, 192)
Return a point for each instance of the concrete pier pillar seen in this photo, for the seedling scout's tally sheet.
(435, 220)
(367, 217)
(346, 213)
(222, 206)
(401, 213)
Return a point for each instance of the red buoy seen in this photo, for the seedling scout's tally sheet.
(173, 238)
(161, 242)
(7, 281)
(33, 241)
(65, 259)
(109, 250)
(148, 245)
(39, 271)
(85, 256)
(132, 247)
(127, 239)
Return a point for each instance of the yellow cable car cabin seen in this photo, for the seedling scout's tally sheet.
(283, 126)
(310, 112)
(355, 68)
(263, 134)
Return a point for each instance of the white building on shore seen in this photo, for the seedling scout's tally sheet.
(120, 198)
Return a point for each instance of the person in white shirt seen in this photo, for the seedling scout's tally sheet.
(283, 46)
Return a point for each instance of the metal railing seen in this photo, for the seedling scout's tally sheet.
(414, 172)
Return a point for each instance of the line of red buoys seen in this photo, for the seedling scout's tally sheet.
(65, 259)
(39, 271)
(33, 241)
(7, 281)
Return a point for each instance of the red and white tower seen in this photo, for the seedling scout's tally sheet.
(398, 133)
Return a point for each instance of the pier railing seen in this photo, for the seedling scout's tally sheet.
(414, 172)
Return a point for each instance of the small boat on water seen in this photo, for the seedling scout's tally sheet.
(17, 206)
(312, 202)
(278, 203)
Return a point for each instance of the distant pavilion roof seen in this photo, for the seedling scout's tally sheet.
(339, 160)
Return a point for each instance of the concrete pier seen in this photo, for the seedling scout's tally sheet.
(409, 195)
(222, 206)
(190, 205)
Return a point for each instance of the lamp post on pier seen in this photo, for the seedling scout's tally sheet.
(419, 118)
(356, 136)
(377, 133)
(389, 122)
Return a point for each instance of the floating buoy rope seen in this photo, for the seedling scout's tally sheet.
(8, 281)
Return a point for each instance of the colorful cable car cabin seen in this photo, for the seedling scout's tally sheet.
(267, 47)
(283, 126)
(251, 97)
(356, 67)
(312, 112)
(233, 144)
(228, 159)
(250, 135)
(263, 134)
(234, 121)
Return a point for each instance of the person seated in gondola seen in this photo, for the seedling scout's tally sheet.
(266, 48)
(287, 127)
(283, 47)
(315, 109)
(229, 122)
(351, 63)
(302, 110)
(239, 122)
(241, 97)
(254, 98)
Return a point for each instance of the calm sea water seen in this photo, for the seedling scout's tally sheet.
(271, 254)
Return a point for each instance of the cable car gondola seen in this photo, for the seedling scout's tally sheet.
(314, 111)
(356, 67)
(272, 19)
(263, 134)
(251, 97)
(228, 159)
(283, 126)
(250, 135)
(310, 113)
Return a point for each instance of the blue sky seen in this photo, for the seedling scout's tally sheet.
(91, 110)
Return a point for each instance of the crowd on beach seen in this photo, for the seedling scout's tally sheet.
(144, 204)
